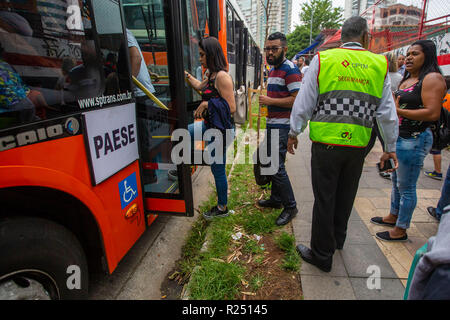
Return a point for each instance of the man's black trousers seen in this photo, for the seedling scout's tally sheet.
(335, 173)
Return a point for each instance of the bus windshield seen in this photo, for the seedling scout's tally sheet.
(53, 62)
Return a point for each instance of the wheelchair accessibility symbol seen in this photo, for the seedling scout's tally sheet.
(128, 190)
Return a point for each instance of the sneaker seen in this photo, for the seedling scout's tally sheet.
(385, 175)
(215, 212)
(433, 174)
(173, 174)
(433, 213)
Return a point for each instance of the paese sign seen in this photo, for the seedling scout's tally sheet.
(111, 136)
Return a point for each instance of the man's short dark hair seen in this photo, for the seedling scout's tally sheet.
(353, 28)
(306, 61)
(278, 36)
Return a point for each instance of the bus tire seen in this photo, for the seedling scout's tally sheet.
(41, 259)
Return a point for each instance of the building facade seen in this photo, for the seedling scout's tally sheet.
(279, 20)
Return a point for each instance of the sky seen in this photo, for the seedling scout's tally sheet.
(296, 9)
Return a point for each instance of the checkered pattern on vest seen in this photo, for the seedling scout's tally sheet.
(346, 107)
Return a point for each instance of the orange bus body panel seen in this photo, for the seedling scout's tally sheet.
(62, 165)
(166, 205)
(223, 27)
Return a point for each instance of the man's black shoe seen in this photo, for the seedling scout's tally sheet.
(269, 204)
(286, 216)
(308, 256)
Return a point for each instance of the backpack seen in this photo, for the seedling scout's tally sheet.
(442, 130)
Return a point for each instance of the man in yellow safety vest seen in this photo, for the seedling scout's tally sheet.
(344, 90)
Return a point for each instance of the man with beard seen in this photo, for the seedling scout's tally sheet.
(283, 85)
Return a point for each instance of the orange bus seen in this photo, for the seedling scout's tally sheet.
(84, 169)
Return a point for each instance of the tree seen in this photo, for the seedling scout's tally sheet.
(298, 40)
(323, 15)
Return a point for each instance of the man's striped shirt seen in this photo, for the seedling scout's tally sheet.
(282, 81)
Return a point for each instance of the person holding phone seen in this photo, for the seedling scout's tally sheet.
(418, 101)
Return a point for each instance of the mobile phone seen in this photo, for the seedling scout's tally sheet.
(388, 164)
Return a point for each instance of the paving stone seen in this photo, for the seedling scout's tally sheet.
(370, 193)
(427, 229)
(306, 209)
(327, 288)
(429, 183)
(429, 194)
(415, 243)
(390, 289)
(354, 215)
(421, 215)
(397, 251)
(358, 257)
(304, 194)
(302, 231)
(357, 233)
(381, 202)
(363, 183)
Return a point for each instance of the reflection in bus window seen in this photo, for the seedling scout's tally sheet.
(56, 61)
(145, 21)
(195, 17)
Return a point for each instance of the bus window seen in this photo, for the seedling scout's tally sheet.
(195, 16)
(202, 13)
(51, 65)
(230, 33)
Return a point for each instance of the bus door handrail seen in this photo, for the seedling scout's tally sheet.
(149, 94)
(190, 85)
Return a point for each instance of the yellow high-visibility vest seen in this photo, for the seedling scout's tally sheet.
(350, 90)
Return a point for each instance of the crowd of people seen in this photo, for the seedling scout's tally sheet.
(348, 96)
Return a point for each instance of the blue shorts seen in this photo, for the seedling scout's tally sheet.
(435, 151)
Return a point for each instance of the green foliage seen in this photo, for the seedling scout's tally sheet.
(324, 16)
(256, 282)
(298, 40)
(251, 246)
(286, 242)
(215, 280)
(323, 13)
(291, 261)
(257, 222)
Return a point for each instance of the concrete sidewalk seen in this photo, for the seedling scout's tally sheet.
(349, 276)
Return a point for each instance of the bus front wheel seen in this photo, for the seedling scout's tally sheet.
(40, 259)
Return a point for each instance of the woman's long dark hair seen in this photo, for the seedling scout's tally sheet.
(430, 63)
(215, 59)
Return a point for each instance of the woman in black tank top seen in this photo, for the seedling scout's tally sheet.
(217, 84)
(418, 101)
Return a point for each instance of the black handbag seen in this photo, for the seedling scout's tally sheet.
(261, 180)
